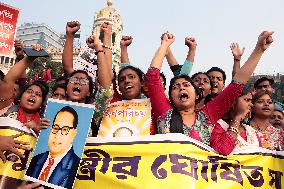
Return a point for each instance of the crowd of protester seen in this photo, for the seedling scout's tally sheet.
(198, 105)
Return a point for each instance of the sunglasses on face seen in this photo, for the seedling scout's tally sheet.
(82, 81)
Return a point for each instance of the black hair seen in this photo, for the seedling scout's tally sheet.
(42, 85)
(60, 85)
(164, 78)
(139, 72)
(71, 111)
(2, 75)
(217, 69)
(208, 98)
(203, 73)
(22, 86)
(187, 78)
(61, 78)
(89, 99)
(176, 122)
(259, 94)
(260, 80)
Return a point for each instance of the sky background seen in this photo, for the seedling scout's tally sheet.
(214, 24)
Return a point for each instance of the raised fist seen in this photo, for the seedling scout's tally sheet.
(106, 28)
(126, 41)
(72, 27)
(19, 48)
(94, 42)
(190, 42)
(168, 39)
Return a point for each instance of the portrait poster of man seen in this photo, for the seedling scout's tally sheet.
(59, 147)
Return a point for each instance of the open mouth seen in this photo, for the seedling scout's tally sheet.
(76, 90)
(276, 124)
(201, 88)
(128, 87)
(215, 86)
(266, 109)
(31, 101)
(183, 97)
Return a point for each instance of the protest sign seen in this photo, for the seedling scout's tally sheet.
(8, 27)
(87, 61)
(12, 171)
(60, 146)
(175, 161)
(127, 118)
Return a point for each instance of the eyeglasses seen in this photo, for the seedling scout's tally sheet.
(82, 81)
(64, 130)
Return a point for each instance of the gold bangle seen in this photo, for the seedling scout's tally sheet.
(234, 130)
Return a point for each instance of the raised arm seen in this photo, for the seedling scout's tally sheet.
(159, 101)
(192, 44)
(67, 56)
(237, 54)
(107, 29)
(7, 85)
(264, 41)
(217, 107)
(105, 73)
(171, 58)
(19, 51)
(188, 63)
(103, 66)
(124, 43)
(157, 61)
(173, 63)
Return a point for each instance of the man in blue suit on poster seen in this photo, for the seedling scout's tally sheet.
(59, 164)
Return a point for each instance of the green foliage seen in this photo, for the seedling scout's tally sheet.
(43, 63)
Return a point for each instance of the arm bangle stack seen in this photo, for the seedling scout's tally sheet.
(234, 130)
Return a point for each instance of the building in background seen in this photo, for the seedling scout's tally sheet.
(32, 33)
(109, 14)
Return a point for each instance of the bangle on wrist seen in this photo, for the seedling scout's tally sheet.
(237, 59)
(98, 51)
(234, 130)
(108, 47)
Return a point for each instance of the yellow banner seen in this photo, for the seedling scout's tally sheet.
(127, 118)
(174, 161)
(15, 166)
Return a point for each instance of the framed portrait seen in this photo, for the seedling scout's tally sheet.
(59, 147)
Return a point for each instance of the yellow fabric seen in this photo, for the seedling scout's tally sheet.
(179, 162)
(15, 166)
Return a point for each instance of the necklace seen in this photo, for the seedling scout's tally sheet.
(257, 127)
(263, 135)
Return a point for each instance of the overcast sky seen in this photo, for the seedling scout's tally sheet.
(214, 24)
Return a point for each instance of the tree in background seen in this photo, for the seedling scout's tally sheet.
(40, 68)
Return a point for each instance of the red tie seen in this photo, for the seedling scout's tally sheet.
(43, 176)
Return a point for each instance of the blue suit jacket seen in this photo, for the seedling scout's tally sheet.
(64, 173)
